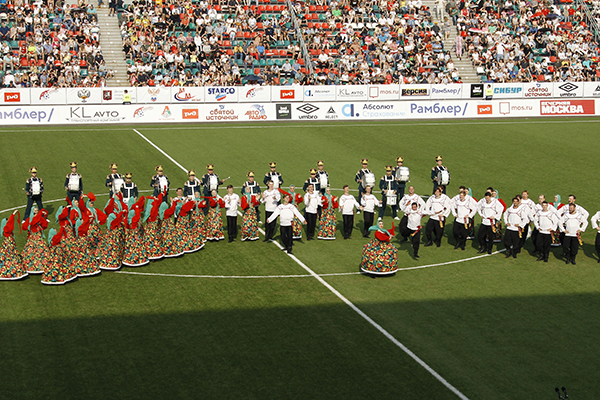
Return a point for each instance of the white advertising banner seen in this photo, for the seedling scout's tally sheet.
(351, 92)
(253, 94)
(115, 95)
(29, 115)
(568, 89)
(220, 94)
(507, 91)
(48, 95)
(384, 92)
(154, 94)
(449, 91)
(537, 90)
(84, 95)
(287, 93)
(193, 94)
(591, 89)
(14, 96)
(319, 93)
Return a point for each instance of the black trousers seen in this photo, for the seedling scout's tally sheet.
(270, 226)
(460, 234)
(597, 244)
(400, 192)
(570, 246)
(523, 236)
(511, 240)
(534, 236)
(348, 225)
(73, 195)
(30, 200)
(361, 190)
(485, 235)
(232, 227)
(403, 227)
(433, 226)
(311, 224)
(415, 240)
(368, 218)
(543, 242)
(384, 205)
(257, 213)
(286, 237)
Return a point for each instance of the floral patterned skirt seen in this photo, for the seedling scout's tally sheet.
(56, 271)
(11, 265)
(172, 241)
(555, 239)
(95, 236)
(327, 225)
(84, 260)
(214, 228)
(198, 226)
(111, 251)
(380, 258)
(249, 224)
(296, 228)
(153, 241)
(498, 234)
(35, 253)
(135, 254)
(185, 227)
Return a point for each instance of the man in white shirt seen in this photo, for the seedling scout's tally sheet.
(463, 209)
(405, 205)
(347, 205)
(572, 223)
(530, 208)
(515, 217)
(368, 202)
(490, 210)
(438, 207)
(286, 212)
(545, 222)
(414, 215)
(270, 198)
(232, 201)
(312, 201)
(595, 220)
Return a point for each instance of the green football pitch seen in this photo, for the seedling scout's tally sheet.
(244, 320)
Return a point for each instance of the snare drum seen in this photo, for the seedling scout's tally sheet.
(323, 181)
(275, 179)
(73, 183)
(36, 188)
(391, 199)
(117, 185)
(443, 177)
(163, 184)
(213, 182)
(403, 174)
(368, 180)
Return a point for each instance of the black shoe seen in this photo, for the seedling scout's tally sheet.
(365, 236)
(481, 251)
(428, 244)
(546, 259)
(289, 252)
(514, 255)
(573, 260)
(416, 256)
(462, 248)
(540, 258)
(489, 251)
(456, 246)
(568, 260)
(438, 244)
(266, 240)
(507, 254)
(598, 260)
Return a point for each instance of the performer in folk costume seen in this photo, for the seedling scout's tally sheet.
(436, 173)
(515, 217)
(35, 253)
(34, 188)
(286, 212)
(530, 208)
(274, 176)
(135, 252)
(389, 193)
(368, 202)
(596, 226)
(463, 209)
(84, 259)
(312, 202)
(191, 186)
(546, 221)
(232, 201)
(249, 204)
(185, 227)
(347, 205)
(270, 198)
(179, 197)
(471, 230)
(322, 176)
(251, 187)
(498, 233)
(160, 183)
(438, 207)
(97, 218)
(74, 183)
(558, 206)
(153, 242)
(129, 190)
(415, 214)
(211, 181)
(296, 199)
(11, 263)
(379, 256)
(196, 225)
(405, 205)
(198, 218)
(114, 180)
(360, 178)
(538, 207)
(328, 217)
(214, 223)
(490, 211)
(401, 179)
(573, 223)
(172, 240)
(56, 270)
(111, 246)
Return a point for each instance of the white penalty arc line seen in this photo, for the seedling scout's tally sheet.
(348, 302)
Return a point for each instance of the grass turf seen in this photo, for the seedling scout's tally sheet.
(494, 328)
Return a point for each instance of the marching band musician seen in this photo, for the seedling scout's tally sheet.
(368, 203)
(211, 181)
(438, 207)
(323, 177)
(129, 189)
(114, 180)
(34, 188)
(160, 183)
(286, 212)
(595, 220)
(312, 180)
(360, 175)
(312, 201)
(515, 217)
(490, 210)
(405, 205)
(464, 209)
(74, 183)
(546, 221)
(572, 223)
(401, 184)
(271, 199)
(273, 176)
(435, 172)
(414, 215)
(232, 200)
(347, 204)
(191, 186)
(389, 191)
(251, 187)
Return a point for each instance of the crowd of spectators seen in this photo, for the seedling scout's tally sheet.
(46, 44)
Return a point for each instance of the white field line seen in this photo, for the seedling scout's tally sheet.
(349, 303)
